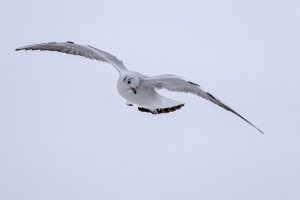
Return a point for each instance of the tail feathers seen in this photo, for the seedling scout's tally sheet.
(161, 110)
(160, 105)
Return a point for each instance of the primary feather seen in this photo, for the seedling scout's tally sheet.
(80, 50)
(180, 84)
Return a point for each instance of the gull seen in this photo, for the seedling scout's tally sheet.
(135, 87)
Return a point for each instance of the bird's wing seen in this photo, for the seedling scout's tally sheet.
(180, 84)
(77, 49)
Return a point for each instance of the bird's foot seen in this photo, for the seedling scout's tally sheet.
(129, 104)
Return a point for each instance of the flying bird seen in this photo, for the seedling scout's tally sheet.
(135, 87)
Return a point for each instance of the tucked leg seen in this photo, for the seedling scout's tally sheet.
(128, 103)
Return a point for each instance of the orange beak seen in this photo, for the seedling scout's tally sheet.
(133, 90)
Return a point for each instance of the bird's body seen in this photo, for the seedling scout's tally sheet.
(145, 97)
(136, 88)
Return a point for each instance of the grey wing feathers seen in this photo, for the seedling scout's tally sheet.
(77, 49)
(180, 84)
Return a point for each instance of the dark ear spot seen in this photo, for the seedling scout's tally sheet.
(70, 42)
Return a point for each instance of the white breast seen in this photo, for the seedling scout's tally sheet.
(144, 96)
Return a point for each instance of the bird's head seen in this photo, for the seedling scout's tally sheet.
(132, 81)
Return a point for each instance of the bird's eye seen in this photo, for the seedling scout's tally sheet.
(129, 82)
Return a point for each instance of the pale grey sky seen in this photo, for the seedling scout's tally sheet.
(65, 133)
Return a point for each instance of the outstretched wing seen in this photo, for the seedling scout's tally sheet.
(77, 49)
(180, 84)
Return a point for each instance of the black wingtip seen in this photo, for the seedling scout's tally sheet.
(260, 131)
(218, 102)
(21, 48)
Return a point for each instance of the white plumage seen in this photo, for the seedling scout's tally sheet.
(136, 88)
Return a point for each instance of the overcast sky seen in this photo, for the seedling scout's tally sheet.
(66, 133)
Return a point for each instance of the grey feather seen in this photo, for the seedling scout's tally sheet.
(180, 84)
(77, 49)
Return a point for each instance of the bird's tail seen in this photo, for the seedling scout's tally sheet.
(162, 105)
